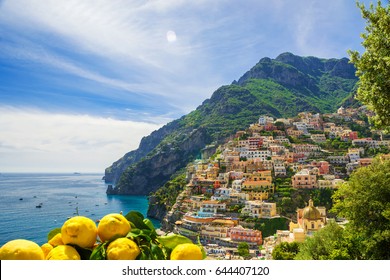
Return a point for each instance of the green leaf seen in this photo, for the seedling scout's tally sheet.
(137, 219)
(143, 256)
(53, 233)
(204, 254)
(157, 252)
(144, 237)
(134, 233)
(137, 233)
(99, 253)
(149, 224)
(171, 241)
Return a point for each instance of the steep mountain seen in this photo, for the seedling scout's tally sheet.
(280, 87)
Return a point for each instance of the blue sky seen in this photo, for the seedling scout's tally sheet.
(81, 82)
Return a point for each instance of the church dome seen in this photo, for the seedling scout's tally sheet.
(310, 212)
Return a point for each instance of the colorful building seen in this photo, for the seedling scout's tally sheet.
(240, 234)
(304, 179)
(309, 220)
(259, 209)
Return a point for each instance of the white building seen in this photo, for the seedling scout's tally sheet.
(353, 155)
(258, 154)
(212, 206)
(259, 209)
(318, 138)
(263, 120)
(221, 194)
(280, 169)
(236, 185)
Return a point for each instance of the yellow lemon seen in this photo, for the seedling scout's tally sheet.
(113, 225)
(186, 251)
(46, 248)
(79, 230)
(56, 240)
(21, 249)
(122, 249)
(63, 252)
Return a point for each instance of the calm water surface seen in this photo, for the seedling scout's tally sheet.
(58, 197)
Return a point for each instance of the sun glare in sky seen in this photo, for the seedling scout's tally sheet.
(171, 36)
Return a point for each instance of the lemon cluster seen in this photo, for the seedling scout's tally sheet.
(115, 237)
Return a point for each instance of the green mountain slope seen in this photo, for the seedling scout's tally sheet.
(280, 87)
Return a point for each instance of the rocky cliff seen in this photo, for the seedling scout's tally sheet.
(113, 173)
(280, 87)
(155, 209)
(157, 167)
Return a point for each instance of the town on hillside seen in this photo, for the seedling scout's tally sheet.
(273, 182)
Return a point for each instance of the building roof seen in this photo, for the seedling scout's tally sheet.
(225, 222)
(310, 212)
(210, 202)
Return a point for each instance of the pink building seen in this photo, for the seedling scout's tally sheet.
(353, 135)
(304, 179)
(323, 167)
(255, 143)
(241, 234)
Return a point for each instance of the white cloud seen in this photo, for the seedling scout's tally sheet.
(216, 42)
(120, 30)
(127, 37)
(39, 141)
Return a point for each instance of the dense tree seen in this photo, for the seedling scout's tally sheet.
(365, 202)
(280, 125)
(285, 251)
(329, 243)
(373, 66)
(243, 250)
(167, 194)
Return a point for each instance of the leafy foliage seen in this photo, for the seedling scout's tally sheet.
(243, 250)
(364, 202)
(329, 243)
(374, 64)
(290, 199)
(167, 194)
(285, 251)
(269, 227)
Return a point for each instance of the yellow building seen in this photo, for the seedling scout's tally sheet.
(259, 209)
(312, 219)
(309, 220)
(258, 185)
(218, 228)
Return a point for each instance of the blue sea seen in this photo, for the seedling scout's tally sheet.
(58, 197)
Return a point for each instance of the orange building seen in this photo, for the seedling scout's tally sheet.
(241, 234)
(218, 228)
(258, 185)
(364, 161)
